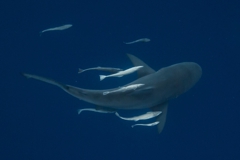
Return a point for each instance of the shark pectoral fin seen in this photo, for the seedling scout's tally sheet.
(145, 70)
(105, 109)
(162, 117)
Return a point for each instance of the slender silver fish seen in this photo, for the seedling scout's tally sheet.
(124, 89)
(121, 73)
(66, 26)
(145, 116)
(107, 69)
(139, 40)
(94, 110)
(149, 124)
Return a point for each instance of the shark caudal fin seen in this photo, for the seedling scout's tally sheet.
(44, 80)
(102, 77)
(162, 117)
(74, 91)
(145, 70)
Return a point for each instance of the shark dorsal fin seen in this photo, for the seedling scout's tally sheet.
(146, 70)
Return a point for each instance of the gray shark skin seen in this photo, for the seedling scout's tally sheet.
(159, 87)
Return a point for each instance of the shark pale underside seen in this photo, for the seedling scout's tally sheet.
(159, 87)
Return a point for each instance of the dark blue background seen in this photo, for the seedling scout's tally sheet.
(39, 121)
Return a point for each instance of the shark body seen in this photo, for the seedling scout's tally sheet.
(159, 87)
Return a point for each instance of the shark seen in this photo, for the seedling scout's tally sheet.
(159, 88)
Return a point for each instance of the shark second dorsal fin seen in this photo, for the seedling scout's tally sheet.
(162, 117)
(146, 70)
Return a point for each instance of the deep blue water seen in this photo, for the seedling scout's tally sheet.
(40, 121)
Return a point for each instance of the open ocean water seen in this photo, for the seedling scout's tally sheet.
(39, 121)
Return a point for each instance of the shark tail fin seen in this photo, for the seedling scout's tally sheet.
(44, 80)
(102, 77)
(74, 91)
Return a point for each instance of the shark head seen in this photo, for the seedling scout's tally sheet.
(187, 75)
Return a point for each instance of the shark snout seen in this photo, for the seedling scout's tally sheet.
(194, 73)
(196, 70)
